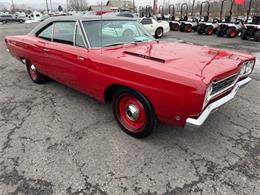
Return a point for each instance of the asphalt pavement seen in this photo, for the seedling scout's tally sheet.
(55, 140)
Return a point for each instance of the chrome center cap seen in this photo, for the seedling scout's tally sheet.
(33, 68)
(132, 112)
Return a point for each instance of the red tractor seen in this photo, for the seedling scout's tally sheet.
(229, 28)
(174, 24)
(205, 26)
(186, 24)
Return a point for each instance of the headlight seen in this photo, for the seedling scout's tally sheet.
(208, 95)
(247, 68)
(243, 70)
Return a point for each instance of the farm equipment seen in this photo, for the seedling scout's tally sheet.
(205, 26)
(174, 24)
(251, 30)
(229, 28)
(187, 25)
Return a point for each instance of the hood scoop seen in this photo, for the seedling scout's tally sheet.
(145, 56)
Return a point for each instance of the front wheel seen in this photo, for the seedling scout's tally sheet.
(209, 30)
(231, 32)
(175, 27)
(159, 33)
(133, 113)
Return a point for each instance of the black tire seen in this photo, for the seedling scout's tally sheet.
(182, 27)
(200, 30)
(4, 22)
(231, 32)
(159, 33)
(147, 109)
(34, 74)
(219, 32)
(243, 35)
(21, 21)
(257, 36)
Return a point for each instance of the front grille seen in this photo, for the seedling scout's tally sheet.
(223, 84)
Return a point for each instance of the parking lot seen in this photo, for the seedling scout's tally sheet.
(55, 140)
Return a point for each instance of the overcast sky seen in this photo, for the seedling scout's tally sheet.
(33, 2)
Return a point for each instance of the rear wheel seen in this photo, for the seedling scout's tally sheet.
(133, 113)
(209, 30)
(159, 33)
(219, 32)
(257, 36)
(231, 32)
(182, 27)
(34, 74)
(200, 30)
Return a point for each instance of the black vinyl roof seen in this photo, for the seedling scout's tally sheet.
(77, 18)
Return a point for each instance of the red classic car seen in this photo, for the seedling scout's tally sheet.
(116, 60)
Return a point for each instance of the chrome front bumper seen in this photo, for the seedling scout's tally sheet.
(196, 123)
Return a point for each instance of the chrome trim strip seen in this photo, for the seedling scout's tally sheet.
(84, 33)
(196, 123)
(225, 89)
(74, 36)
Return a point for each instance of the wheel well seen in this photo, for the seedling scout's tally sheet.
(160, 27)
(24, 60)
(110, 91)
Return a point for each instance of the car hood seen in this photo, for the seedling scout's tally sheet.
(182, 58)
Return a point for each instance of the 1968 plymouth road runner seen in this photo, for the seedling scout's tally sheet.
(116, 60)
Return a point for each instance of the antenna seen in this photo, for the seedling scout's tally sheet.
(101, 28)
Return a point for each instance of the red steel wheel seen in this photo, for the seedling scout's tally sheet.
(36, 76)
(188, 28)
(231, 32)
(133, 112)
(210, 31)
(33, 72)
(176, 27)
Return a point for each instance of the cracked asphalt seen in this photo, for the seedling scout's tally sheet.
(55, 140)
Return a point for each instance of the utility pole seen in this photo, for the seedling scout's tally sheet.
(47, 6)
(12, 5)
(51, 5)
(154, 7)
(192, 9)
(67, 4)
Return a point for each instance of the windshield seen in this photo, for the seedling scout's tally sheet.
(115, 32)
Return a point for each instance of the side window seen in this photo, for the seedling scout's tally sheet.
(146, 21)
(46, 33)
(79, 38)
(64, 32)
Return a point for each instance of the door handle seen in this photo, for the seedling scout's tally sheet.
(80, 58)
(46, 50)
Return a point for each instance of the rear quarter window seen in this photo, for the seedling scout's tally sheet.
(63, 32)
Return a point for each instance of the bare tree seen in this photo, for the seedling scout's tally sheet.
(78, 5)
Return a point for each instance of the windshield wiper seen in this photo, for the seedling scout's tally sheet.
(114, 44)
